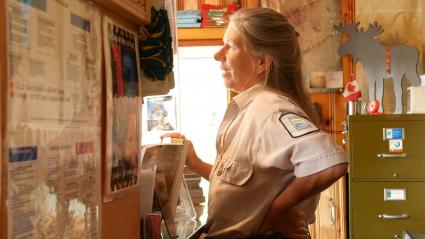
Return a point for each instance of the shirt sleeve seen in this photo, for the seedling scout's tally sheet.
(291, 142)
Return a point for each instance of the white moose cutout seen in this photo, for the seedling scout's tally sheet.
(380, 62)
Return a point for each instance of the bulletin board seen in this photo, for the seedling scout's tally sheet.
(53, 119)
(53, 128)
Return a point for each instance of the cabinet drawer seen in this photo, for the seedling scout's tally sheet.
(366, 142)
(369, 212)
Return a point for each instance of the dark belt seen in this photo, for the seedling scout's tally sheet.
(269, 235)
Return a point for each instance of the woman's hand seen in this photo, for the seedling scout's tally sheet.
(291, 223)
(192, 157)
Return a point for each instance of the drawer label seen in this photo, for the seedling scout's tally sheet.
(395, 145)
(392, 194)
(393, 133)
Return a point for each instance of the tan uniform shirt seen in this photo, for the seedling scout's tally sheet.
(263, 143)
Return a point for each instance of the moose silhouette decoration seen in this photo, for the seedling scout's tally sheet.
(380, 62)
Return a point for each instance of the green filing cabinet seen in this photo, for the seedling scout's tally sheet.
(387, 175)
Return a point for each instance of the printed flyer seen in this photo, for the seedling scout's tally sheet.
(54, 62)
(123, 108)
(53, 182)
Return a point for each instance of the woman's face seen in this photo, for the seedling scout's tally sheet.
(241, 69)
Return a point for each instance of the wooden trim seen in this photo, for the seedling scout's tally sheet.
(200, 36)
(128, 10)
(251, 3)
(200, 33)
(347, 16)
(201, 42)
(180, 4)
(348, 67)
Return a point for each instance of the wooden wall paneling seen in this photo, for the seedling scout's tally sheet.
(188, 4)
(3, 114)
(121, 217)
(180, 4)
(212, 2)
(250, 3)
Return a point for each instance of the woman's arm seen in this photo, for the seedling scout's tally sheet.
(300, 189)
(196, 164)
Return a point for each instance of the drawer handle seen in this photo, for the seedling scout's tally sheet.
(385, 155)
(392, 216)
(332, 207)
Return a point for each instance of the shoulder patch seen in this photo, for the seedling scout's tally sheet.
(297, 125)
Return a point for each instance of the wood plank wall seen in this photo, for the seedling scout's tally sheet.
(3, 104)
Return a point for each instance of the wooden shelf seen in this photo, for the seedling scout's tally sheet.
(138, 14)
(200, 36)
(200, 33)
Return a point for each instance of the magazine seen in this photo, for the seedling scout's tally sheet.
(169, 160)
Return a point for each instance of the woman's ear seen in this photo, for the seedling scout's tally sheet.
(263, 63)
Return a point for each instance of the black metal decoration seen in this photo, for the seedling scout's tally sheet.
(380, 62)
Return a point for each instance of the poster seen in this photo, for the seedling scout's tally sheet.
(53, 131)
(53, 182)
(54, 62)
(123, 108)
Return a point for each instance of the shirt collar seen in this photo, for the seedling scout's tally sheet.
(247, 96)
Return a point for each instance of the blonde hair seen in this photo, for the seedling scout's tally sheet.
(268, 33)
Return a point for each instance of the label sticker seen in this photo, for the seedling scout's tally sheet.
(393, 133)
(22, 154)
(297, 125)
(396, 145)
(394, 194)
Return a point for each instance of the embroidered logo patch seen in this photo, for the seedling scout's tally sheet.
(297, 125)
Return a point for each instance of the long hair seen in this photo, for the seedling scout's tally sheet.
(268, 33)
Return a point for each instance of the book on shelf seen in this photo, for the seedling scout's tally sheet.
(188, 14)
(189, 25)
(217, 15)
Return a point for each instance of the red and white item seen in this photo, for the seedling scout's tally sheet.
(373, 107)
(352, 89)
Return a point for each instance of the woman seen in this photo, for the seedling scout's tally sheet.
(272, 159)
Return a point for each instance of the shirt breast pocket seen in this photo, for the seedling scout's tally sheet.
(234, 172)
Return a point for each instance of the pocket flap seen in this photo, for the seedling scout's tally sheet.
(235, 172)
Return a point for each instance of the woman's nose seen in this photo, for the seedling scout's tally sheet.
(219, 56)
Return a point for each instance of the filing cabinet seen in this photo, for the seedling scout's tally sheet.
(386, 188)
